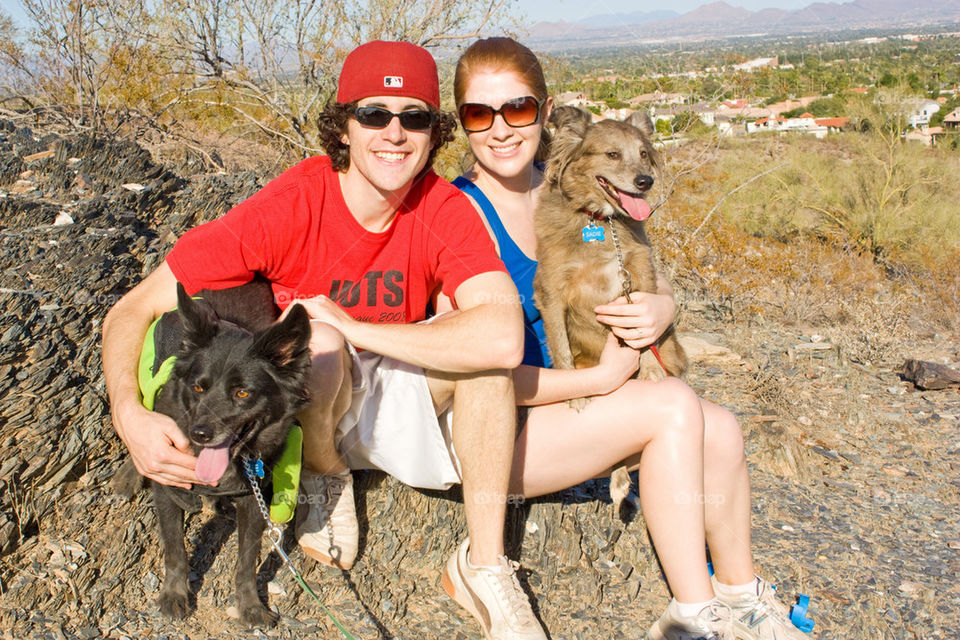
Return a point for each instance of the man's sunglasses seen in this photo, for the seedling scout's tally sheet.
(378, 118)
(519, 112)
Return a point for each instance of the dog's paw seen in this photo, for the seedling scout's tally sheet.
(257, 615)
(578, 404)
(619, 485)
(174, 604)
(650, 367)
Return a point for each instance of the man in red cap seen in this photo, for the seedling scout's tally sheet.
(364, 238)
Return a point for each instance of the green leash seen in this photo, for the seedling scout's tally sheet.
(276, 535)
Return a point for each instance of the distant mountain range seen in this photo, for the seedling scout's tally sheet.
(720, 19)
(636, 17)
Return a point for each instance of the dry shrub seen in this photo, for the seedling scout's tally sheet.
(771, 251)
(891, 200)
(876, 328)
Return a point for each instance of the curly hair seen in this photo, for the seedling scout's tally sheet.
(332, 123)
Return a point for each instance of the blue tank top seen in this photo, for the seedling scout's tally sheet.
(522, 270)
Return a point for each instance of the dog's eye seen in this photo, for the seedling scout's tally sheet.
(643, 153)
(242, 393)
(198, 388)
(613, 155)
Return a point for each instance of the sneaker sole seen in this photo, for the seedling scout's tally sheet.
(464, 600)
(325, 559)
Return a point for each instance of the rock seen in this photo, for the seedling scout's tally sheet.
(930, 375)
(703, 352)
(21, 187)
(39, 155)
(813, 346)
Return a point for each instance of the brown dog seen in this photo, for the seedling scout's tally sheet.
(591, 244)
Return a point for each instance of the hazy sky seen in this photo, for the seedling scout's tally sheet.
(572, 10)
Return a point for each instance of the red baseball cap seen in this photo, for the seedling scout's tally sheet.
(382, 68)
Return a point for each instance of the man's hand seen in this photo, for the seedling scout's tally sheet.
(323, 309)
(158, 448)
(641, 321)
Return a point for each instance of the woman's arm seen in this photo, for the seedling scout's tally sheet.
(536, 385)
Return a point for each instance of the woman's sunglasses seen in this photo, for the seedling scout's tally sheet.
(519, 112)
(378, 118)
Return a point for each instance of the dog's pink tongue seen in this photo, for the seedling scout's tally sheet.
(638, 208)
(212, 462)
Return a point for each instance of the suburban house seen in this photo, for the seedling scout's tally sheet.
(572, 98)
(704, 111)
(657, 97)
(777, 108)
(952, 120)
(833, 125)
(923, 110)
(804, 124)
(926, 135)
(758, 63)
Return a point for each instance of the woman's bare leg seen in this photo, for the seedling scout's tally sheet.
(726, 484)
(559, 448)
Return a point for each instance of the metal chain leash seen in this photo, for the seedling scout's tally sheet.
(276, 535)
(625, 281)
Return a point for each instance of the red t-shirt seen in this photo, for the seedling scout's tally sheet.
(298, 233)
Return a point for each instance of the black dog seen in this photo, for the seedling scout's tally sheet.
(235, 388)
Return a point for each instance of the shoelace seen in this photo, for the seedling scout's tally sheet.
(722, 618)
(768, 598)
(508, 587)
(332, 490)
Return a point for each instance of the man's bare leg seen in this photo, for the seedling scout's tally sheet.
(326, 525)
(330, 395)
(484, 429)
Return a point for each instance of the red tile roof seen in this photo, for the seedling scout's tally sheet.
(833, 123)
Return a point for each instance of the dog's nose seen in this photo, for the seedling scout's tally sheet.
(201, 434)
(643, 182)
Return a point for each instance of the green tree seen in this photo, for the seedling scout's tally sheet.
(821, 108)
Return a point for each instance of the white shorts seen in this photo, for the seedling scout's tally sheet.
(392, 426)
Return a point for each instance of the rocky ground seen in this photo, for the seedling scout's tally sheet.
(855, 472)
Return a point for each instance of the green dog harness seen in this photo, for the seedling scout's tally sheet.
(154, 370)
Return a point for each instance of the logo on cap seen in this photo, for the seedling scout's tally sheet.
(393, 82)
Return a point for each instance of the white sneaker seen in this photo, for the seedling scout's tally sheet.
(758, 615)
(326, 526)
(493, 596)
(712, 623)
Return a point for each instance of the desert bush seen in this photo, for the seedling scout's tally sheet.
(849, 232)
(263, 68)
(890, 200)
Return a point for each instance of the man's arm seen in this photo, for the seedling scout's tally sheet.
(486, 332)
(158, 448)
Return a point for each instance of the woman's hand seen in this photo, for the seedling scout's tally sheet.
(617, 364)
(642, 320)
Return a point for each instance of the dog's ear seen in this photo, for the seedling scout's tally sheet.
(286, 344)
(565, 116)
(569, 124)
(642, 121)
(198, 319)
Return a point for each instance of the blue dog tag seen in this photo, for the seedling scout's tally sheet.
(258, 468)
(593, 233)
